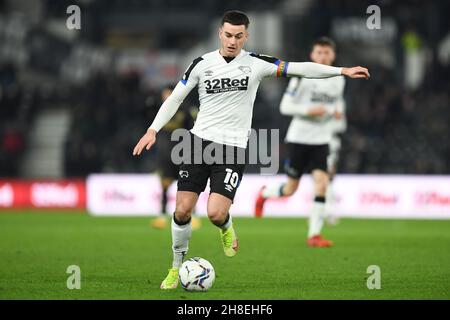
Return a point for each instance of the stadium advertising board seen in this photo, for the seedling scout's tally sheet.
(123, 194)
(359, 196)
(62, 194)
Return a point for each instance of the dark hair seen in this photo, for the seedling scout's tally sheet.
(324, 41)
(235, 18)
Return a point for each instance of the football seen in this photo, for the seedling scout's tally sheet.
(197, 274)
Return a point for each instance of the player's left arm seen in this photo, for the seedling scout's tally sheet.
(319, 71)
(271, 66)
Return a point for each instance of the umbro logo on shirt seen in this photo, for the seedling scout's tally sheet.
(226, 85)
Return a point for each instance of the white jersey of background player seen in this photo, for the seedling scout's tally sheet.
(227, 90)
(301, 94)
(313, 105)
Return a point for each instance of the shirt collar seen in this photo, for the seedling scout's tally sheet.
(243, 52)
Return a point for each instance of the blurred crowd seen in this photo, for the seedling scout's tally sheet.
(399, 120)
(109, 112)
(393, 126)
(392, 130)
(17, 104)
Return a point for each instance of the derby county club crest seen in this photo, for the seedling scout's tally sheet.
(245, 69)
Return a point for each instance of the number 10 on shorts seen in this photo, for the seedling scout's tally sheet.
(231, 178)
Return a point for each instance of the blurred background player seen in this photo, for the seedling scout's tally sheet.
(338, 125)
(167, 170)
(313, 104)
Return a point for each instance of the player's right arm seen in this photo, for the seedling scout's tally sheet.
(169, 108)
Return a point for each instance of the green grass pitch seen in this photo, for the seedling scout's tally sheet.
(123, 258)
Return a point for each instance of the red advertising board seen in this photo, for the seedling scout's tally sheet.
(62, 194)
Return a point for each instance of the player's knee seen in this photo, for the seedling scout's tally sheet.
(182, 216)
(184, 207)
(217, 215)
(183, 213)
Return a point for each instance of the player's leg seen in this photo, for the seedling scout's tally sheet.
(285, 189)
(224, 181)
(181, 225)
(181, 234)
(293, 167)
(219, 215)
(329, 194)
(332, 162)
(165, 183)
(168, 173)
(317, 214)
(192, 181)
(173, 172)
(331, 217)
(162, 221)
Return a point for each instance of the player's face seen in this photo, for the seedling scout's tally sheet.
(232, 39)
(323, 54)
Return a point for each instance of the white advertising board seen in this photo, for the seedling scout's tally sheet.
(360, 196)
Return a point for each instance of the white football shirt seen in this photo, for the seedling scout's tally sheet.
(227, 92)
(303, 94)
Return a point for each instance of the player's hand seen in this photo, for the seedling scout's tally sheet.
(318, 111)
(356, 72)
(147, 140)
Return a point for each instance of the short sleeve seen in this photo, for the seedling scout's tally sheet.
(271, 66)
